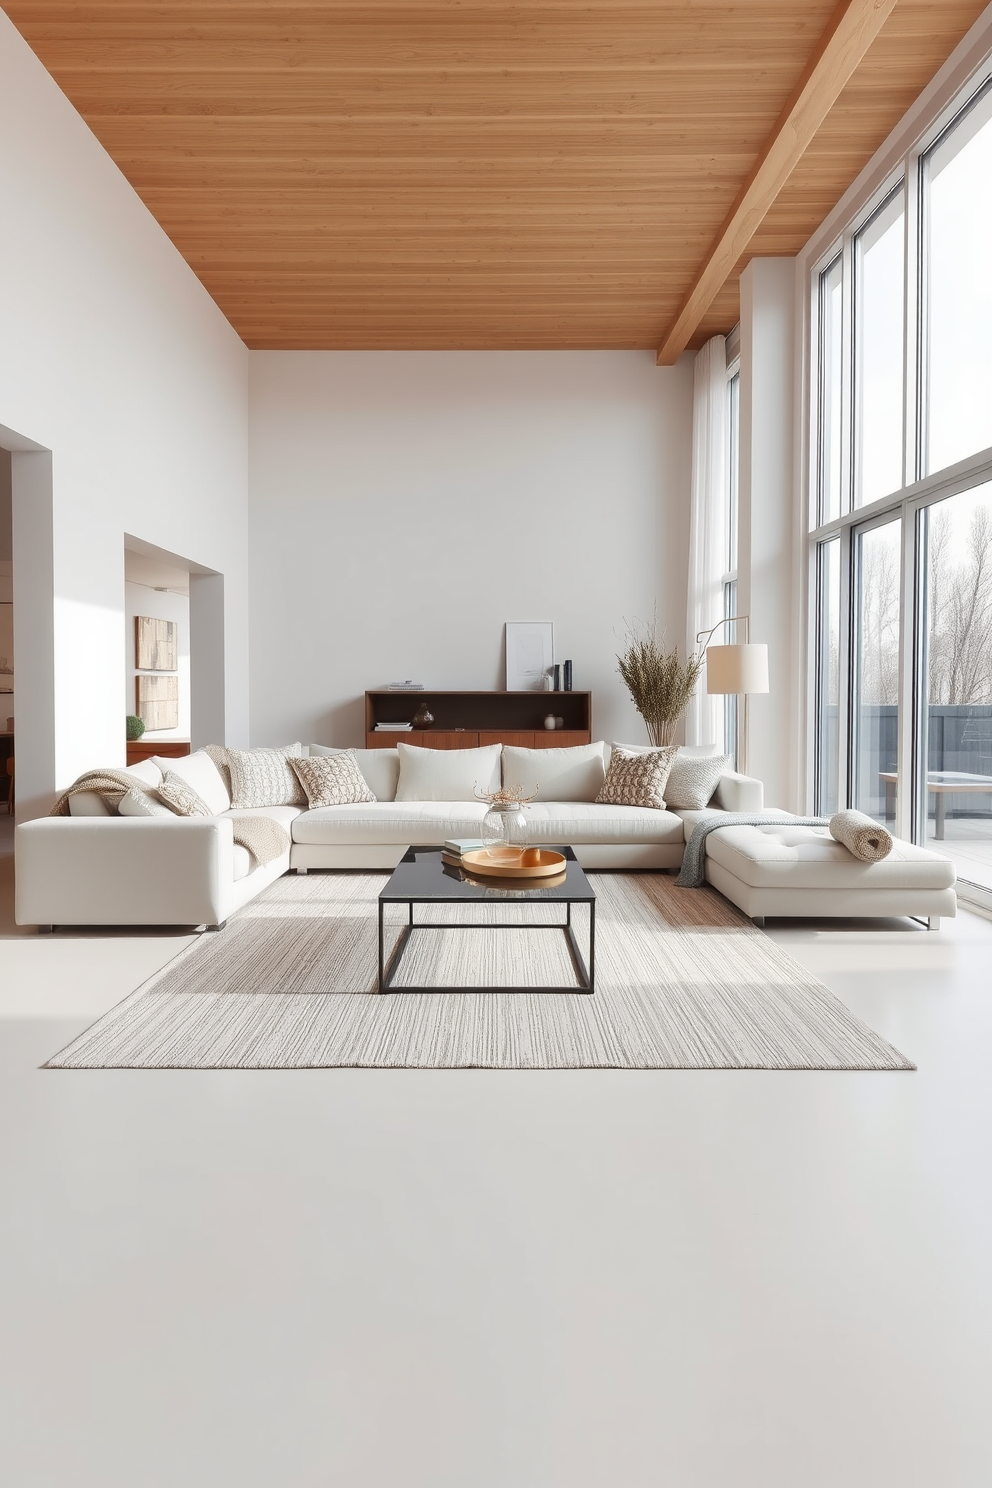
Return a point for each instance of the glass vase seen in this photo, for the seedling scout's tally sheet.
(504, 832)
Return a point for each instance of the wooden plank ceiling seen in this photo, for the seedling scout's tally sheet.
(466, 173)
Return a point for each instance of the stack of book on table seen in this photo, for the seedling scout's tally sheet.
(393, 728)
(453, 849)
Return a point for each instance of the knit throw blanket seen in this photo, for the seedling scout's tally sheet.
(693, 874)
(264, 838)
(112, 785)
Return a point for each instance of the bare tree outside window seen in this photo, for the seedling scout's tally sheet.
(880, 616)
(960, 608)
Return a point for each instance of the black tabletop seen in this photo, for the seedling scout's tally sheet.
(421, 875)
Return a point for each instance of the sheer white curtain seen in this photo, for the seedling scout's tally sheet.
(707, 527)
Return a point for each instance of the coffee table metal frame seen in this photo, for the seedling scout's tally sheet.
(577, 891)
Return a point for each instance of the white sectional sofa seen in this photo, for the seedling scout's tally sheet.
(98, 868)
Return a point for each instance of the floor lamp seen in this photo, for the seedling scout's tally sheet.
(739, 669)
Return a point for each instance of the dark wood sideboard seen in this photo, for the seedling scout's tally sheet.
(466, 720)
(142, 749)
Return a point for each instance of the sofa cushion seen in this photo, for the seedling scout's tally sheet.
(201, 775)
(691, 819)
(143, 803)
(574, 774)
(779, 855)
(403, 823)
(584, 822)
(380, 768)
(284, 815)
(636, 779)
(263, 777)
(145, 771)
(88, 803)
(220, 754)
(694, 778)
(408, 823)
(446, 774)
(332, 780)
(182, 798)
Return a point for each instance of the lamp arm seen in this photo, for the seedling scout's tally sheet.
(704, 635)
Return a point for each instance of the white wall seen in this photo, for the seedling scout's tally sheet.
(6, 587)
(114, 358)
(405, 505)
(768, 585)
(139, 599)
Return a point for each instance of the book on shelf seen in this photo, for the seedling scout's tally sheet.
(404, 687)
(393, 728)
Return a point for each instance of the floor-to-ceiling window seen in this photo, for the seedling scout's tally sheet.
(901, 499)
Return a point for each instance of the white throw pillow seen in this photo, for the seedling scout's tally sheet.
(142, 803)
(380, 768)
(446, 774)
(201, 775)
(575, 774)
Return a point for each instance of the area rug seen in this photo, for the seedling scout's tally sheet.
(683, 981)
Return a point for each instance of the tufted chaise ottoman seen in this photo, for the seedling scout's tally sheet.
(783, 869)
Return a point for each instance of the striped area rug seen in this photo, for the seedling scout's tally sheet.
(683, 981)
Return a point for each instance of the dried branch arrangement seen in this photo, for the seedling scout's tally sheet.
(507, 795)
(660, 683)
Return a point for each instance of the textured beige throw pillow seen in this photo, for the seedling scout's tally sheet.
(694, 778)
(637, 779)
(332, 780)
(263, 777)
(183, 799)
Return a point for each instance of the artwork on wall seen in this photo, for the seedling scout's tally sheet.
(158, 702)
(6, 647)
(530, 650)
(156, 644)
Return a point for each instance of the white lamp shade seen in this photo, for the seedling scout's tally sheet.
(737, 668)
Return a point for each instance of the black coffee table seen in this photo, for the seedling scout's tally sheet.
(422, 877)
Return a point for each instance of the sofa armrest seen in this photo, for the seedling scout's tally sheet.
(739, 793)
(112, 870)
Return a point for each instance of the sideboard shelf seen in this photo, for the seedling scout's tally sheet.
(142, 749)
(466, 720)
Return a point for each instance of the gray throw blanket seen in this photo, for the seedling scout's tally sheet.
(693, 874)
(264, 838)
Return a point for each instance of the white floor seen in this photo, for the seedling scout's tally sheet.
(375, 1279)
(968, 844)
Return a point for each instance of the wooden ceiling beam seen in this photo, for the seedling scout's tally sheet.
(852, 28)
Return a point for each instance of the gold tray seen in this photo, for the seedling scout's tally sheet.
(478, 861)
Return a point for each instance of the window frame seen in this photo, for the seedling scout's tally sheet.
(728, 581)
(903, 168)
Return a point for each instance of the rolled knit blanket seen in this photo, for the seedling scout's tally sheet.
(864, 838)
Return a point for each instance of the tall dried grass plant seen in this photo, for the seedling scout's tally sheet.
(660, 683)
